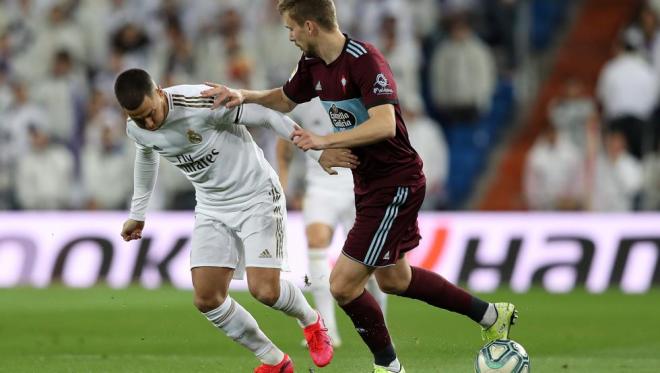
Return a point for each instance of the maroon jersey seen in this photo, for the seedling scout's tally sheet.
(357, 80)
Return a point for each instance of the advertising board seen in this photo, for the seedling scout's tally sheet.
(483, 251)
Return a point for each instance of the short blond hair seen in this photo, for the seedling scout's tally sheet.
(322, 12)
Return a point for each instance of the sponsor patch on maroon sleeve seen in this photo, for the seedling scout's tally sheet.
(376, 80)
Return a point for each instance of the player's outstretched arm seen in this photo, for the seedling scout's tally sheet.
(252, 115)
(132, 230)
(274, 99)
(284, 154)
(144, 179)
(381, 125)
(258, 116)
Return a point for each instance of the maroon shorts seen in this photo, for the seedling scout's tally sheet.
(385, 225)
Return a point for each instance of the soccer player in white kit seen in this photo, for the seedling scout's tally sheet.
(240, 217)
(329, 202)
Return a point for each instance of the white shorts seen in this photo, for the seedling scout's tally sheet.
(330, 207)
(255, 237)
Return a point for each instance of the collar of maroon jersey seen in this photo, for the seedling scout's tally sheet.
(343, 51)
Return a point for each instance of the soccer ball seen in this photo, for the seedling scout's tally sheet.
(502, 356)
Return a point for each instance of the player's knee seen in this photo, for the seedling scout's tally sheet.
(207, 302)
(339, 294)
(389, 288)
(342, 292)
(267, 295)
(390, 285)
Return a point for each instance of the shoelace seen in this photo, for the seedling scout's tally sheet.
(316, 340)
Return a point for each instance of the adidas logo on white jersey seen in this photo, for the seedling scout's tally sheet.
(265, 254)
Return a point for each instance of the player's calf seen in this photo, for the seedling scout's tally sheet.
(239, 325)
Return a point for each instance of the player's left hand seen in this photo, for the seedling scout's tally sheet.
(338, 158)
(306, 140)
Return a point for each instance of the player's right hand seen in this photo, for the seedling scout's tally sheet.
(132, 230)
(340, 157)
(223, 95)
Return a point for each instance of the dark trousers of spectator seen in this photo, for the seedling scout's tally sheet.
(638, 134)
(458, 115)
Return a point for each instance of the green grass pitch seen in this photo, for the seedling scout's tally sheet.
(138, 330)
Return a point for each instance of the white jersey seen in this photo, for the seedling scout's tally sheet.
(312, 116)
(219, 157)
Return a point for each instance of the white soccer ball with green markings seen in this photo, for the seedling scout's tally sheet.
(502, 356)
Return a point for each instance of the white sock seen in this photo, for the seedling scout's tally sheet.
(319, 273)
(239, 325)
(293, 303)
(489, 317)
(381, 298)
(395, 366)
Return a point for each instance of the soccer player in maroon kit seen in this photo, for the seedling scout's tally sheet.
(357, 89)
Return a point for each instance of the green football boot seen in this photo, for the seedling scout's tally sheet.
(507, 314)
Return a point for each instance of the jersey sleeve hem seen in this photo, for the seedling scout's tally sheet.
(291, 97)
(239, 114)
(380, 102)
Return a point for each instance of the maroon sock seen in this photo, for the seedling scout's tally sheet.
(370, 324)
(435, 290)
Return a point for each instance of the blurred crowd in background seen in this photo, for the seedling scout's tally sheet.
(600, 151)
(461, 69)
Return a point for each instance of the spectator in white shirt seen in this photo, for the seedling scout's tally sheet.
(428, 140)
(570, 111)
(6, 156)
(173, 54)
(105, 162)
(462, 74)
(618, 176)
(403, 57)
(274, 67)
(5, 88)
(628, 91)
(22, 114)
(553, 173)
(226, 53)
(44, 174)
(62, 95)
(651, 188)
(363, 18)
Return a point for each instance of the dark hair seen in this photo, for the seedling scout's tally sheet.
(131, 86)
(320, 11)
(63, 55)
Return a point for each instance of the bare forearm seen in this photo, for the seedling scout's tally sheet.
(273, 99)
(369, 132)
